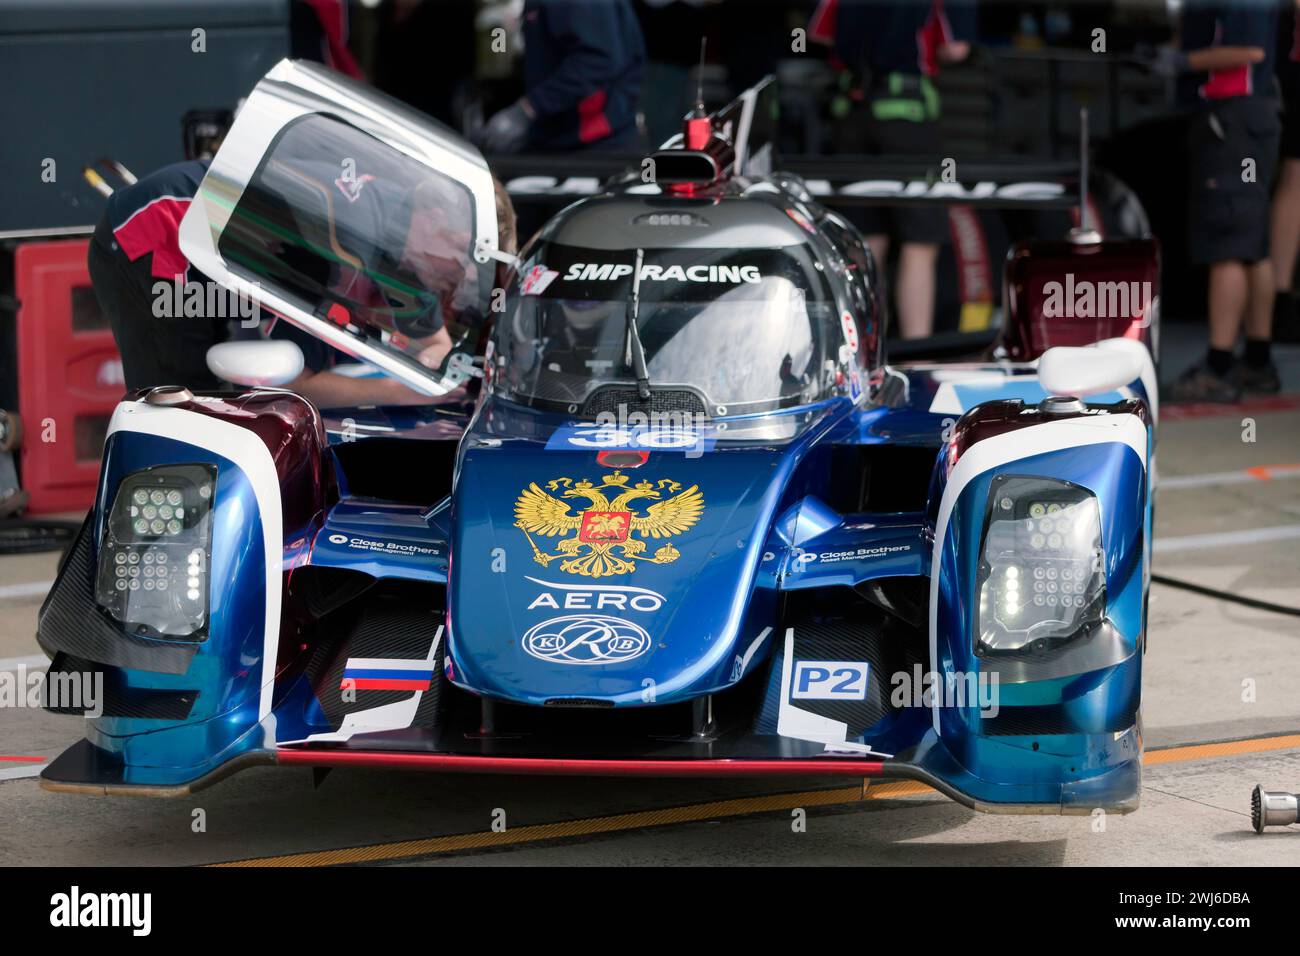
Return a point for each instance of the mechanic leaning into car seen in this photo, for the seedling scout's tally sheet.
(136, 245)
(897, 48)
(582, 81)
(1224, 69)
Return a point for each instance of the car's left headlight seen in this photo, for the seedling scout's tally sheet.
(1041, 581)
(153, 561)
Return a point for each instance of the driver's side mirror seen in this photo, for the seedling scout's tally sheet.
(1090, 370)
(256, 362)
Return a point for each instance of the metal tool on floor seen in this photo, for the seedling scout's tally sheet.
(1273, 808)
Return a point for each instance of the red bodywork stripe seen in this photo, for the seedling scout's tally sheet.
(365, 683)
(460, 763)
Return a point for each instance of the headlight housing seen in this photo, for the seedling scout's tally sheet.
(154, 559)
(1041, 580)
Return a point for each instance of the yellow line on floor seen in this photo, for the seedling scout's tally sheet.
(568, 828)
(1228, 748)
(694, 813)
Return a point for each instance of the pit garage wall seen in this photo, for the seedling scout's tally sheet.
(83, 79)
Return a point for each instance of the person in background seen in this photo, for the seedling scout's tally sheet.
(582, 80)
(136, 245)
(1284, 243)
(672, 30)
(318, 30)
(898, 47)
(1224, 69)
(407, 30)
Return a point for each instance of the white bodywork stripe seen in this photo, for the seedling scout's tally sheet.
(246, 451)
(386, 664)
(1013, 446)
(752, 650)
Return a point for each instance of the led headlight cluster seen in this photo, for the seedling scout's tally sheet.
(1040, 581)
(153, 563)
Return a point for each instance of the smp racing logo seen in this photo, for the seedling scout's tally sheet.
(604, 543)
(612, 271)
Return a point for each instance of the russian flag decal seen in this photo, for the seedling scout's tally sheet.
(381, 673)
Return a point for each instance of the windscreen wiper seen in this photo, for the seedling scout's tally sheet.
(635, 352)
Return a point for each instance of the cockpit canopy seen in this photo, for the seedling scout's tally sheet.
(747, 329)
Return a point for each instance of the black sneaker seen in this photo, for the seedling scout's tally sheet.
(1200, 384)
(1257, 380)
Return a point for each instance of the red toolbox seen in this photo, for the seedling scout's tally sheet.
(69, 375)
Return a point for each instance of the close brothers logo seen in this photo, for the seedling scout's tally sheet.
(77, 909)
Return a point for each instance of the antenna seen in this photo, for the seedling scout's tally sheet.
(1083, 167)
(699, 76)
(698, 129)
(1083, 234)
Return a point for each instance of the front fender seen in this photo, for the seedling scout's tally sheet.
(1058, 718)
(179, 707)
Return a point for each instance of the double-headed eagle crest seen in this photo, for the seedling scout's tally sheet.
(608, 525)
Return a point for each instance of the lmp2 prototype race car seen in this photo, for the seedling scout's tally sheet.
(669, 511)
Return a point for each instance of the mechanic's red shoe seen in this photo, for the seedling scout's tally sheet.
(1201, 384)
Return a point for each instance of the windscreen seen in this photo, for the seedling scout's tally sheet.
(748, 329)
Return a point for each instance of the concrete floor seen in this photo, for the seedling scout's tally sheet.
(1194, 811)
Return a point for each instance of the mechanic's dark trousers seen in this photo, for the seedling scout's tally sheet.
(155, 350)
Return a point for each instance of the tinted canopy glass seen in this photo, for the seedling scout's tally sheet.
(363, 236)
(749, 329)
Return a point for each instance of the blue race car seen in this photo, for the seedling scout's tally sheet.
(667, 512)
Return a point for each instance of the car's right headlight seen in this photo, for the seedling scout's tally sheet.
(1041, 580)
(153, 560)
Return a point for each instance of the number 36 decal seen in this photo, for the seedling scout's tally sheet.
(830, 680)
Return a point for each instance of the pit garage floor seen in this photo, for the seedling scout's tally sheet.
(1221, 709)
